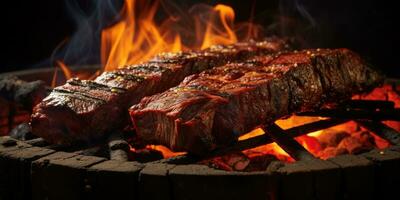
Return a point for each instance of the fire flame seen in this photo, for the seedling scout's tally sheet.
(167, 153)
(68, 74)
(273, 148)
(341, 139)
(137, 37)
(213, 35)
(66, 71)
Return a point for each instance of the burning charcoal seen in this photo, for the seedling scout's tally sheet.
(365, 138)
(353, 145)
(186, 109)
(237, 161)
(217, 163)
(260, 162)
(230, 162)
(330, 152)
(22, 132)
(331, 138)
(146, 155)
(27, 94)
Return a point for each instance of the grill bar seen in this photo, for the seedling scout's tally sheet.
(381, 115)
(370, 104)
(259, 140)
(291, 146)
(314, 126)
(381, 130)
(363, 111)
(265, 139)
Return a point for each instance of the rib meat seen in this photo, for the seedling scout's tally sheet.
(86, 110)
(216, 106)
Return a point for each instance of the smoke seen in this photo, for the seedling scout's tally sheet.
(305, 14)
(89, 18)
(292, 19)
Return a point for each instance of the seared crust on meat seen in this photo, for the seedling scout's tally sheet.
(83, 110)
(216, 106)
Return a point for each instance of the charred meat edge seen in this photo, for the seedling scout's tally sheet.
(214, 107)
(85, 110)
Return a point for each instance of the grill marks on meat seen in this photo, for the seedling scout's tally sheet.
(216, 106)
(86, 110)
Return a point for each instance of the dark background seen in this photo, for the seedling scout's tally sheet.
(32, 29)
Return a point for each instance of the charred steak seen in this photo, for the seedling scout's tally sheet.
(218, 105)
(83, 110)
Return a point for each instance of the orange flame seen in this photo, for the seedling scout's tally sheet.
(66, 71)
(137, 37)
(273, 148)
(341, 139)
(213, 35)
(167, 153)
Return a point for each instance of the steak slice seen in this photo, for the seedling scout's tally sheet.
(216, 106)
(83, 110)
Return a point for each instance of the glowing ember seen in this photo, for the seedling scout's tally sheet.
(137, 37)
(273, 149)
(167, 153)
(347, 138)
(387, 92)
(254, 133)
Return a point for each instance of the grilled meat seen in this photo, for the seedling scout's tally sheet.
(83, 110)
(214, 107)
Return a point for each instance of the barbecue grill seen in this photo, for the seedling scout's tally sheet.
(136, 74)
(33, 168)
